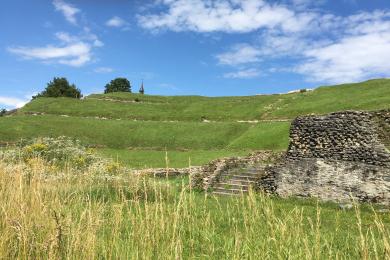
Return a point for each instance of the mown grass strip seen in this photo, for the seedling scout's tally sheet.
(171, 135)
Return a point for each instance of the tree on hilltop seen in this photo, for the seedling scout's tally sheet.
(3, 111)
(118, 85)
(60, 87)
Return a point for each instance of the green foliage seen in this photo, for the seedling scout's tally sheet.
(3, 112)
(60, 87)
(57, 151)
(118, 85)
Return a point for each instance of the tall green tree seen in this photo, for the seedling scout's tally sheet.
(60, 87)
(118, 85)
(3, 111)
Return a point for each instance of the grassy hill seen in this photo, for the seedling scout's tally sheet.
(370, 95)
(139, 129)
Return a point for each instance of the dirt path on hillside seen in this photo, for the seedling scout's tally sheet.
(123, 101)
(31, 113)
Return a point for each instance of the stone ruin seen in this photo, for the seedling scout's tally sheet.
(347, 136)
(337, 157)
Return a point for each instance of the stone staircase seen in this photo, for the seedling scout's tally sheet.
(237, 181)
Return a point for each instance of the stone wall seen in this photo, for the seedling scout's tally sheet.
(329, 180)
(170, 172)
(347, 136)
(337, 157)
(382, 121)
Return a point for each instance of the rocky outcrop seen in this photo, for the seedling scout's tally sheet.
(337, 157)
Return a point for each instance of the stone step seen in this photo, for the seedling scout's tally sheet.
(246, 172)
(225, 193)
(239, 177)
(254, 171)
(228, 185)
(240, 181)
(225, 190)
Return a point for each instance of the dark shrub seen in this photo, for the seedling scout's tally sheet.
(118, 85)
(3, 112)
(60, 87)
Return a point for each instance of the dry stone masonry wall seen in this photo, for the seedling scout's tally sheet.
(347, 136)
(337, 157)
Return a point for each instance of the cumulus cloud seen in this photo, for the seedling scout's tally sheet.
(67, 10)
(359, 51)
(239, 54)
(72, 50)
(74, 54)
(243, 74)
(350, 59)
(104, 70)
(117, 22)
(307, 3)
(11, 102)
(234, 16)
(321, 46)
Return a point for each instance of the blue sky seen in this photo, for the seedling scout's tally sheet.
(191, 47)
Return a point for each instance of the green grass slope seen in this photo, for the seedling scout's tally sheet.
(137, 129)
(369, 95)
(149, 135)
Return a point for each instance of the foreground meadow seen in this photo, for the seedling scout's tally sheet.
(68, 212)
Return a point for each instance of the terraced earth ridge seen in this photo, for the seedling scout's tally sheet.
(145, 131)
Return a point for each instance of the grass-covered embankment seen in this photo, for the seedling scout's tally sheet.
(125, 123)
(135, 143)
(159, 135)
(369, 95)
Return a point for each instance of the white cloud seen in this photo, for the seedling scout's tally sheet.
(223, 16)
(307, 3)
(73, 54)
(353, 58)
(321, 46)
(66, 37)
(117, 22)
(72, 50)
(358, 51)
(67, 10)
(239, 54)
(11, 102)
(104, 70)
(85, 36)
(243, 74)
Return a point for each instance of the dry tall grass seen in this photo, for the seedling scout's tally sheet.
(67, 214)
